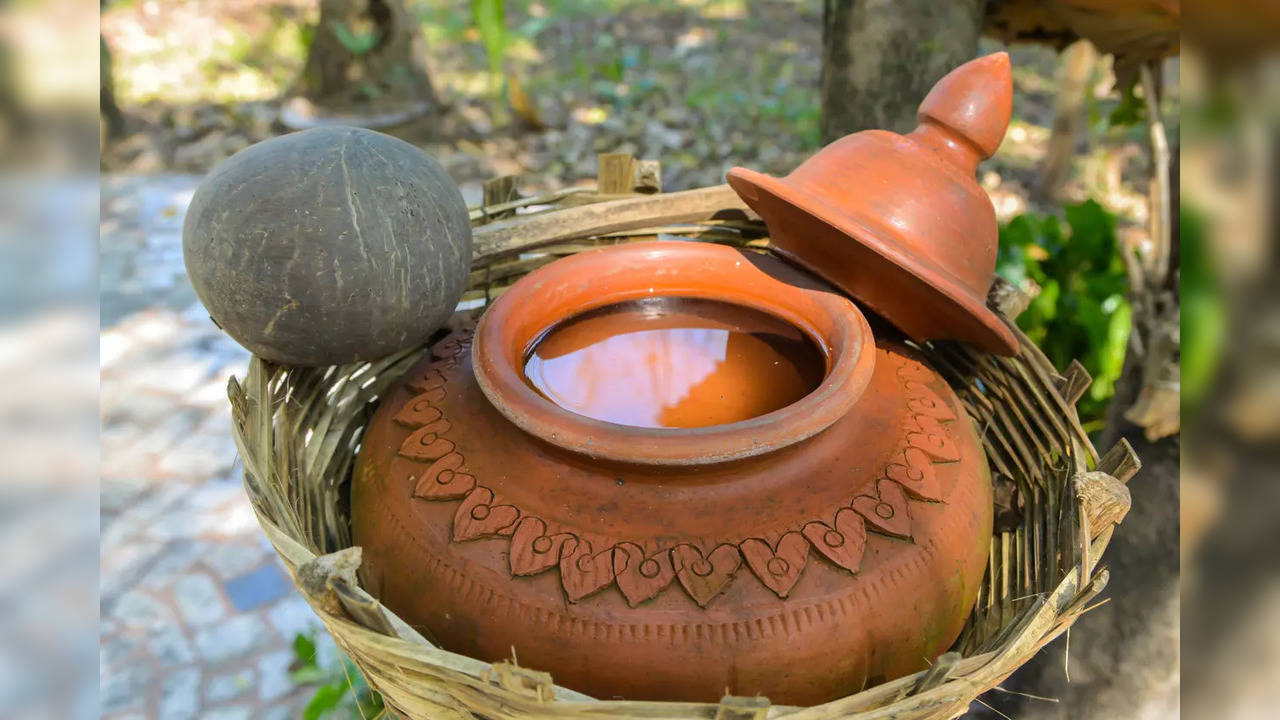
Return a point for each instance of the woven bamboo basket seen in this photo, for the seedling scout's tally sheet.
(1058, 501)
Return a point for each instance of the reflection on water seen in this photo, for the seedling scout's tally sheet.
(674, 363)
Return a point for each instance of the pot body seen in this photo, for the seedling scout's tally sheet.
(837, 561)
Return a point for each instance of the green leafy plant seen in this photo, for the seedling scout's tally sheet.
(490, 20)
(1080, 311)
(1131, 110)
(1204, 313)
(341, 691)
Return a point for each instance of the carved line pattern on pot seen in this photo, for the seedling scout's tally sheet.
(789, 622)
(703, 574)
(792, 621)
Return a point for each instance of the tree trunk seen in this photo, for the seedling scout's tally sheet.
(362, 57)
(880, 57)
(112, 120)
(1075, 71)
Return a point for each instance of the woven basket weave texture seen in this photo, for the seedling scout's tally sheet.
(298, 431)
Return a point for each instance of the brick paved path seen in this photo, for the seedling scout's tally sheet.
(198, 616)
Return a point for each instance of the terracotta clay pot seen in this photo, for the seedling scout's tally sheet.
(899, 222)
(800, 555)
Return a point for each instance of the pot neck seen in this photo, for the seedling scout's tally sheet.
(679, 269)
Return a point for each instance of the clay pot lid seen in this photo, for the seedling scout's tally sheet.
(898, 221)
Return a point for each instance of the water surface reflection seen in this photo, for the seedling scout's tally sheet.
(674, 363)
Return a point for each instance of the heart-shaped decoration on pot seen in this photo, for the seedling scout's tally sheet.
(478, 517)
(932, 438)
(427, 443)
(533, 550)
(916, 474)
(842, 544)
(420, 410)
(430, 379)
(886, 514)
(441, 480)
(583, 573)
(778, 568)
(705, 576)
(924, 401)
(641, 577)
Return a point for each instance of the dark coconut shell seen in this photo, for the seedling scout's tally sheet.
(328, 246)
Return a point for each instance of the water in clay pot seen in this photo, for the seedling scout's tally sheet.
(673, 362)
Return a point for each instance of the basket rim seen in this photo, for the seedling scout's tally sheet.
(275, 406)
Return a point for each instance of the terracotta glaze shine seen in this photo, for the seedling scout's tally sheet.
(899, 221)
(828, 544)
(671, 362)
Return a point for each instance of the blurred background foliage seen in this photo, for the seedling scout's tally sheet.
(198, 80)
(536, 88)
(340, 689)
(1080, 311)
(1204, 311)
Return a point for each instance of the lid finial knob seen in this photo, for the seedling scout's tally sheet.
(974, 102)
(900, 222)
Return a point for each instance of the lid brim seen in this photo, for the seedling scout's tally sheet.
(987, 329)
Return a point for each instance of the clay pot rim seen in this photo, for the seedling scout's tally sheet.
(595, 278)
(986, 329)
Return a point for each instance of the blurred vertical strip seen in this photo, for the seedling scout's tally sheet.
(1231, 359)
(48, 356)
